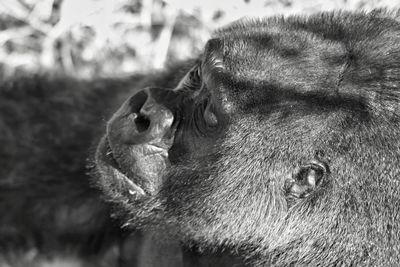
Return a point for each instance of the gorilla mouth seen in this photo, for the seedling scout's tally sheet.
(109, 167)
(109, 155)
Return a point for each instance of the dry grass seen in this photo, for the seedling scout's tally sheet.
(90, 38)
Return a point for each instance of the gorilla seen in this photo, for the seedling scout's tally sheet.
(277, 146)
(280, 146)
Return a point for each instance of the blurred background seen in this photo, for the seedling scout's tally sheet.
(111, 38)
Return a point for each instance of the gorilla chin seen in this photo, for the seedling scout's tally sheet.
(279, 146)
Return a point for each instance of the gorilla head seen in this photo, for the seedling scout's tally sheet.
(280, 143)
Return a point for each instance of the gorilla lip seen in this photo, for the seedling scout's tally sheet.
(112, 167)
(110, 155)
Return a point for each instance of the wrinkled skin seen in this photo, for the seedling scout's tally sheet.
(279, 147)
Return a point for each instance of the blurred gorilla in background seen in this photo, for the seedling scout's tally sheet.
(278, 146)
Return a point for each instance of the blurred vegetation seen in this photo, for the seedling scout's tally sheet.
(108, 38)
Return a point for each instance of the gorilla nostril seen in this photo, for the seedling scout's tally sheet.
(136, 104)
(142, 123)
(137, 101)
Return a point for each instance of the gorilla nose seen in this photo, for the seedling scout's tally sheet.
(147, 121)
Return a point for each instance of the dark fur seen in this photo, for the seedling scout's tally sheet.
(48, 126)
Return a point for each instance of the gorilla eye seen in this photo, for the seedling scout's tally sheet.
(195, 75)
(192, 80)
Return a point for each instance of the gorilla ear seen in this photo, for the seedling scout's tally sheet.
(305, 180)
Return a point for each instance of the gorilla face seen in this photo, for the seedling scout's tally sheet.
(282, 141)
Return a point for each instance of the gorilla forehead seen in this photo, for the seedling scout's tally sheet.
(335, 58)
(264, 66)
(269, 50)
